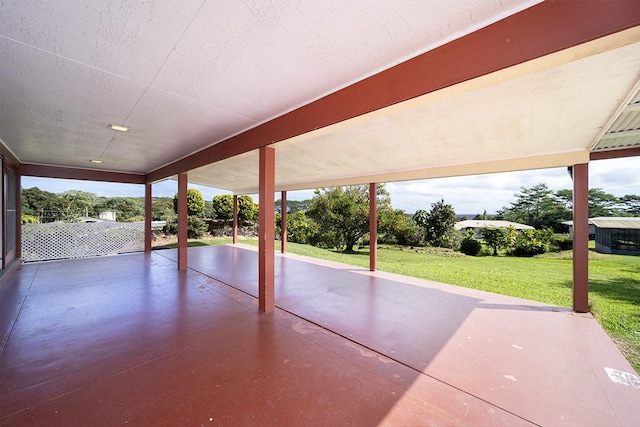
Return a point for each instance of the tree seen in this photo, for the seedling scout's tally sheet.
(407, 232)
(125, 207)
(631, 204)
(293, 206)
(161, 208)
(195, 203)
(566, 198)
(396, 227)
(247, 209)
(494, 237)
(342, 214)
(531, 242)
(300, 229)
(482, 216)
(79, 203)
(46, 206)
(222, 206)
(601, 203)
(537, 206)
(437, 223)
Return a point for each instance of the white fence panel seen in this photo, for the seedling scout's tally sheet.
(58, 240)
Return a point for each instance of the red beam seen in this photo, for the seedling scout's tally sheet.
(3, 211)
(182, 221)
(542, 29)
(266, 230)
(615, 154)
(8, 157)
(18, 197)
(581, 238)
(43, 171)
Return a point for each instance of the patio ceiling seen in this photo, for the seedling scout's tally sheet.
(187, 76)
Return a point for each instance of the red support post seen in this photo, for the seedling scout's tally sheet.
(581, 238)
(283, 222)
(3, 207)
(147, 218)
(18, 196)
(182, 221)
(235, 219)
(373, 228)
(266, 230)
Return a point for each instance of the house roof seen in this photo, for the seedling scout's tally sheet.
(616, 222)
(481, 223)
(346, 92)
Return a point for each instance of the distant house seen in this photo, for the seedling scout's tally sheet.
(617, 235)
(107, 215)
(478, 224)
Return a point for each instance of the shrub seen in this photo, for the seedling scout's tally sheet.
(137, 218)
(247, 209)
(222, 207)
(409, 234)
(300, 228)
(470, 246)
(562, 242)
(30, 219)
(494, 237)
(196, 227)
(531, 242)
(195, 203)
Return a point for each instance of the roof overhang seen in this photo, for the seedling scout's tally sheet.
(534, 115)
(524, 86)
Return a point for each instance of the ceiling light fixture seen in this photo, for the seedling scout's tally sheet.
(118, 128)
(96, 161)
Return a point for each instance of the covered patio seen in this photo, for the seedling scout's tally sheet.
(132, 340)
(261, 97)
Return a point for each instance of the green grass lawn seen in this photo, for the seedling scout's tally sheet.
(614, 280)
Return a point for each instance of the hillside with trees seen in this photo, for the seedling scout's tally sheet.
(338, 217)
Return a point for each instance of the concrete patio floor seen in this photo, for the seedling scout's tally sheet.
(129, 340)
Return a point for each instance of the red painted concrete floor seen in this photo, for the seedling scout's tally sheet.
(128, 340)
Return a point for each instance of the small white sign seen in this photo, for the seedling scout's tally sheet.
(624, 378)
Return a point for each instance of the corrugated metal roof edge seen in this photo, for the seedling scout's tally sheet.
(616, 222)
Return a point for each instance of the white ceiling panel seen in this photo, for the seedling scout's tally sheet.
(166, 127)
(127, 38)
(47, 100)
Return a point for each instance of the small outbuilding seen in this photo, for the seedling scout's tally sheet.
(592, 229)
(617, 235)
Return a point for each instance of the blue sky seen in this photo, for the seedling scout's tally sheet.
(468, 195)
